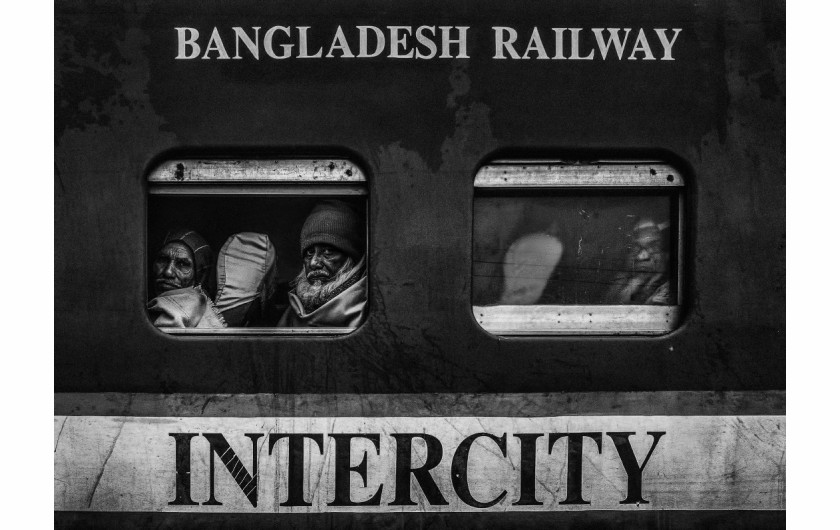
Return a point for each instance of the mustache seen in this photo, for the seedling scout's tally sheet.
(318, 287)
(319, 275)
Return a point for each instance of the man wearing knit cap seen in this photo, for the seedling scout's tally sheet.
(182, 273)
(331, 288)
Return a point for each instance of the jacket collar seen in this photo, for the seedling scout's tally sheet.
(345, 310)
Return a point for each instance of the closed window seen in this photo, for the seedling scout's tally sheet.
(577, 248)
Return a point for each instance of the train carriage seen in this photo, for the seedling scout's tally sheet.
(564, 226)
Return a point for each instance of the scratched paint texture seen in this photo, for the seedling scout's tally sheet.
(111, 463)
(420, 129)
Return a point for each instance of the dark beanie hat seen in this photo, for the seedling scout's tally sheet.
(334, 223)
(202, 254)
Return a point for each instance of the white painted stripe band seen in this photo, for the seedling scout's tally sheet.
(119, 463)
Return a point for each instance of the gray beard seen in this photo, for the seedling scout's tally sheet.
(313, 294)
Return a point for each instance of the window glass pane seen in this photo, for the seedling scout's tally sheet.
(576, 250)
(572, 250)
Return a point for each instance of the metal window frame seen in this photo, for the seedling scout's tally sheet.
(259, 177)
(257, 331)
(293, 176)
(643, 320)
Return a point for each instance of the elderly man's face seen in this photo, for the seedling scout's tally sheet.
(322, 262)
(646, 253)
(174, 268)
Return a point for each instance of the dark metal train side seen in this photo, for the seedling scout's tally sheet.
(420, 130)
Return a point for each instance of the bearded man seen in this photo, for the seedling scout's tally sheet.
(331, 289)
(182, 272)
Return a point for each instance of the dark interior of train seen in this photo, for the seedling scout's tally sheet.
(217, 217)
(578, 248)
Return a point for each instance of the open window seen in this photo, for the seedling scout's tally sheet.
(592, 248)
(227, 243)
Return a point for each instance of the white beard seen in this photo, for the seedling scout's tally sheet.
(315, 293)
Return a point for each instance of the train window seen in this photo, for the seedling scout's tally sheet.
(257, 246)
(577, 248)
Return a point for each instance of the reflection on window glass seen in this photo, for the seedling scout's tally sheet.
(577, 248)
(573, 250)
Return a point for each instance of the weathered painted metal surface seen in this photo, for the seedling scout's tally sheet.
(667, 403)
(590, 175)
(244, 171)
(127, 463)
(577, 319)
(420, 130)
